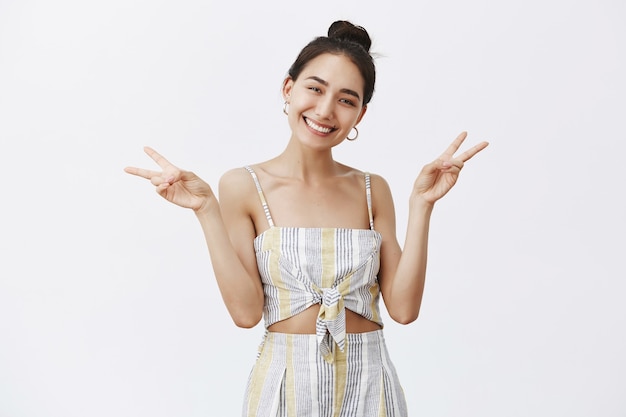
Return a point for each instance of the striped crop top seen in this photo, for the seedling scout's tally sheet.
(336, 268)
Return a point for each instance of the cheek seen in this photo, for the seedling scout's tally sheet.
(349, 117)
(300, 101)
(299, 105)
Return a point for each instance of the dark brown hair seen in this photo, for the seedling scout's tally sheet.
(347, 39)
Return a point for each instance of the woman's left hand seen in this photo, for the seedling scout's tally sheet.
(438, 177)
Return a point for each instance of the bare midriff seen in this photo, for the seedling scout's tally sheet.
(304, 323)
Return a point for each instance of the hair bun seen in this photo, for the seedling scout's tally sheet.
(346, 31)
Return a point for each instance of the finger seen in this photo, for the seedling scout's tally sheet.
(468, 154)
(454, 146)
(157, 157)
(143, 173)
(160, 181)
(442, 166)
(161, 187)
(451, 165)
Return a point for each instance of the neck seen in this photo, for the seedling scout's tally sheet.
(304, 163)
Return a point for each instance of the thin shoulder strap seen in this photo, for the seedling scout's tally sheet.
(368, 195)
(261, 196)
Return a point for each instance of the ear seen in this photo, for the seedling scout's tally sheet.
(363, 110)
(287, 87)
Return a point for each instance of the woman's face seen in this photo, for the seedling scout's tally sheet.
(326, 100)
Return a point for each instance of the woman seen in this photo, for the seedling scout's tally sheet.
(310, 245)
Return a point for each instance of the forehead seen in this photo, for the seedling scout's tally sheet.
(337, 70)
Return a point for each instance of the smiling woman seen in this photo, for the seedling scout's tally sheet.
(309, 244)
(324, 101)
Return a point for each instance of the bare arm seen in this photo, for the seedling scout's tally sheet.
(242, 291)
(238, 281)
(403, 272)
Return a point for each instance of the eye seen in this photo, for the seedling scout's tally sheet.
(347, 101)
(315, 89)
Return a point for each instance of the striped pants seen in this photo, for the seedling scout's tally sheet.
(291, 379)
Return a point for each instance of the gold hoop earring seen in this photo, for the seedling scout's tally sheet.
(355, 136)
(285, 107)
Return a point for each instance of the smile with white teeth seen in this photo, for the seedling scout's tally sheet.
(317, 127)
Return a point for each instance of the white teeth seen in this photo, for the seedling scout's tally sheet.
(317, 127)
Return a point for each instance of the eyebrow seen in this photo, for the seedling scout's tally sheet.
(343, 90)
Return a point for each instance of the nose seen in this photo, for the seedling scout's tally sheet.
(325, 107)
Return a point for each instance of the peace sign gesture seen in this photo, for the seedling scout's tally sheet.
(183, 188)
(438, 177)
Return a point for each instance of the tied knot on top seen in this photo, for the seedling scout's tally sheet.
(331, 322)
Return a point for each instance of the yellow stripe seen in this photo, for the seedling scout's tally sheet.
(374, 291)
(382, 406)
(341, 376)
(328, 258)
(257, 380)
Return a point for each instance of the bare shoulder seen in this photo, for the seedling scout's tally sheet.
(236, 185)
(347, 171)
(382, 200)
(379, 185)
(236, 178)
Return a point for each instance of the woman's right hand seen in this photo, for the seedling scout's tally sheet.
(180, 187)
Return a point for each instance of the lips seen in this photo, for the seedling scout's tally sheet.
(318, 128)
